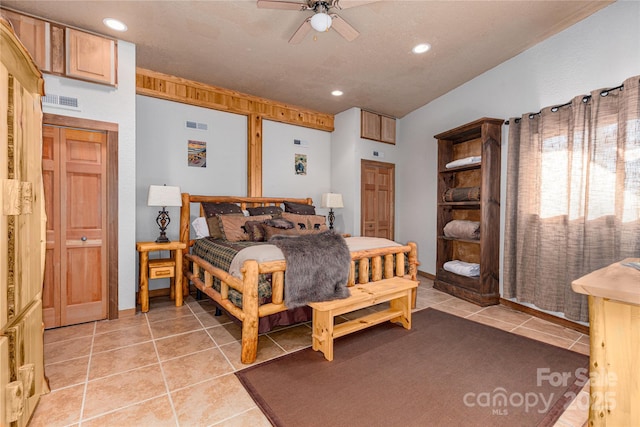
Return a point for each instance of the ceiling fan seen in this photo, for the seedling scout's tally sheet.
(321, 20)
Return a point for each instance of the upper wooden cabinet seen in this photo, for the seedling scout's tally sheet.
(377, 127)
(90, 57)
(66, 51)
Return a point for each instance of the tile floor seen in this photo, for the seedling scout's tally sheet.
(174, 366)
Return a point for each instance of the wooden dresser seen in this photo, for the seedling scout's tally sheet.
(22, 232)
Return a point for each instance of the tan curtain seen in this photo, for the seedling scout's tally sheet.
(573, 196)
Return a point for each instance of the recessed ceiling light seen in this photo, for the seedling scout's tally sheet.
(421, 48)
(114, 24)
(336, 93)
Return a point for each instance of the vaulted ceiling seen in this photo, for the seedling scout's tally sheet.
(238, 46)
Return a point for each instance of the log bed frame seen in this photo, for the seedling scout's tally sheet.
(383, 263)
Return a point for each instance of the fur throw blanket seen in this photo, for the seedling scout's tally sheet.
(317, 267)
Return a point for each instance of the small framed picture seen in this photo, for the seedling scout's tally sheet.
(197, 154)
(300, 164)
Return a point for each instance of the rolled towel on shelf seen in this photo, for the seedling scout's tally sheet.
(461, 194)
(462, 229)
(464, 162)
(462, 268)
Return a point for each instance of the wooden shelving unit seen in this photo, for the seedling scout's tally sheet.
(479, 138)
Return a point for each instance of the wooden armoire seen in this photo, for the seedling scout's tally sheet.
(22, 232)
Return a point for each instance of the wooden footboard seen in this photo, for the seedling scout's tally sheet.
(372, 265)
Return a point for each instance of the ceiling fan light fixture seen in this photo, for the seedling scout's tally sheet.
(321, 22)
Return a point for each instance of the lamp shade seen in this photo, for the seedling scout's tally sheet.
(332, 200)
(321, 21)
(164, 195)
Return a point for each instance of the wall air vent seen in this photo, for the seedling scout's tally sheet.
(195, 125)
(61, 101)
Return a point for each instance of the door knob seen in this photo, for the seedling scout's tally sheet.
(83, 238)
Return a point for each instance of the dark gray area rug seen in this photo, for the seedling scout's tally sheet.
(445, 371)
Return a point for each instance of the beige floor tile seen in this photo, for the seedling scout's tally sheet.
(195, 367)
(577, 413)
(225, 334)
(156, 412)
(67, 373)
(182, 344)
(68, 332)
(122, 359)
(168, 313)
(205, 304)
(68, 349)
(58, 408)
(209, 319)
(505, 314)
(552, 329)
(584, 339)
(541, 336)
(211, 402)
(251, 418)
(267, 349)
(121, 338)
(122, 323)
(165, 328)
(292, 338)
(434, 297)
(581, 348)
(461, 305)
(124, 389)
(490, 321)
(451, 310)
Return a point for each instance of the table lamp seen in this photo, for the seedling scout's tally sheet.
(163, 195)
(332, 200)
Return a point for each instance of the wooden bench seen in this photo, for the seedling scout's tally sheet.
(397, 290)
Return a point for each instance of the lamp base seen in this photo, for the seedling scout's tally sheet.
(332, 217)
(162, 239)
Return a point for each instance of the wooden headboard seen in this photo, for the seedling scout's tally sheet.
(243, 202)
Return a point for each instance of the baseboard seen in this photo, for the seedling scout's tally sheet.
(545, 316)
(427, 275)
(130, 312)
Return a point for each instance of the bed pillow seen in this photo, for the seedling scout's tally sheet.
(274, 211)
(213, 209)
(306, 222)
(200, 227)
(299, 208)
(214, 225)
(233, 226)
(269, 232)
(254, 230)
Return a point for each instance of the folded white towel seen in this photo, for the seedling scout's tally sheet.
(462, 268)
(463, 162)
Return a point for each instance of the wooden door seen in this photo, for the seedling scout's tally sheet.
(377, 190)
(74, 168)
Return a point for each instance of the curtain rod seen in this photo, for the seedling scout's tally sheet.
(585, 99)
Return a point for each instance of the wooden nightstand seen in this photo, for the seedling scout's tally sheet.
(160, 268)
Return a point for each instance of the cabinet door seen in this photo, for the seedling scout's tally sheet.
(32, 33)
(91, 57)
(369, 125)
(388, 129)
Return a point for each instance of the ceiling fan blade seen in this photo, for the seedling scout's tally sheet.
(301, 32)
(285, 5)
(346, 4)
(343, 28)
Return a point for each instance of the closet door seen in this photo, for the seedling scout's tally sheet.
(377, 191)
(75, 194)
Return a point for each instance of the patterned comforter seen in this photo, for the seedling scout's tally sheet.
(220, 253)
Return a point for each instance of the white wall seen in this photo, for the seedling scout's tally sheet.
(278, 154)
(161, 148)
(600, 51)
(347, 150)
(115, 105)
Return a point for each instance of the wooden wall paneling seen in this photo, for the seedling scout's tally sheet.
(163, 86)
(254, 156)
